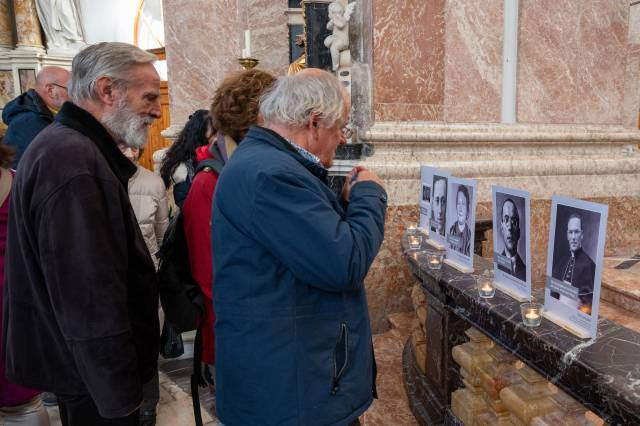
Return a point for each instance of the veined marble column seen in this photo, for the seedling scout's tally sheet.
(6, 26)
(27, 24)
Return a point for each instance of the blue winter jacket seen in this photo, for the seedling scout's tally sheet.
(293, 340)
(27, 115)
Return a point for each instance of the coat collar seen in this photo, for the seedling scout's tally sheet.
(273, 138)
(82, 121)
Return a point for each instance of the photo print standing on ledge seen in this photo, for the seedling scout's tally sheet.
(574, 264)
(426, 180)
(461, 223)
(437, 223)
(512, 242)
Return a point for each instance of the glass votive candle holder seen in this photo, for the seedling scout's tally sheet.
(412, 229)
(435, 260)
(486, 288)
(415, 241)
(531, 314)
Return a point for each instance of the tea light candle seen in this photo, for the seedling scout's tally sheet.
(531, 314)
(415, 241)
(486, 288)
(412, 229)
(434, 260)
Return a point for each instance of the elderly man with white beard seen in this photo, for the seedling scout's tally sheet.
(81, 296)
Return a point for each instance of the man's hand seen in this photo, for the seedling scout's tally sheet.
(358, 174)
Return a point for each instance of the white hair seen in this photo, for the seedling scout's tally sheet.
(113, 60)
(294, 99)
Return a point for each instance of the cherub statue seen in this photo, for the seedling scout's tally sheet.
(339, 40)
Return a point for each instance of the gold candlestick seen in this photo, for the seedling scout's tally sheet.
(248, 63)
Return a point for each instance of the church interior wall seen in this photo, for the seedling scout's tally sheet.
(572, 61)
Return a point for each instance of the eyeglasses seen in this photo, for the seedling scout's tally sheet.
(60, 86)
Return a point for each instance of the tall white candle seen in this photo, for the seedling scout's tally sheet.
(247, 42)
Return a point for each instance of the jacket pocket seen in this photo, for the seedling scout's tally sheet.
(340, 357)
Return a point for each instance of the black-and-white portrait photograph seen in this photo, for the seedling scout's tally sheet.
(575, 247)
(426, 180)
(439, 204)
(426, 193)
(459, 218)
(575, 258)
(510, 225)
(511, 241)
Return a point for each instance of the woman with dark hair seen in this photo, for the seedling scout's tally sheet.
(18, 405)
(459, 233)
(234, 110)
(179, 163)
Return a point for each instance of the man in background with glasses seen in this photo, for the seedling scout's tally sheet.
(33, 110)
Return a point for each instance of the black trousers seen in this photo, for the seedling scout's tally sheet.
(79, 410)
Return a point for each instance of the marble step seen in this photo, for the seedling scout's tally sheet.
(621, 282)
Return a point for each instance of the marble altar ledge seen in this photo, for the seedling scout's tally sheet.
(603, 374)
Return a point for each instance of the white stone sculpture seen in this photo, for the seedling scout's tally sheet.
(62, 26)
(338, 24)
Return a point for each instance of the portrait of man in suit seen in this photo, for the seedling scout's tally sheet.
(439, 205)
(510, 232)
(575, 267)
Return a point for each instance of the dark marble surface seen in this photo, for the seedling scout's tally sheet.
(426, 407)
(316, 19)
(603, 374)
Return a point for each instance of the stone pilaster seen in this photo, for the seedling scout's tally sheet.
(6, 25)
(468, 403)
(27, 24)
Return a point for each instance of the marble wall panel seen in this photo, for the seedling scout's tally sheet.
(269, 34)
(6, 24)
(603, 31)
(389, 282)
(572, 61)
(634, 23)
(547, 61)
(631, 109)
(7, 91)
(408, 58)
(473, 63)
(408, 112)
(202, 44)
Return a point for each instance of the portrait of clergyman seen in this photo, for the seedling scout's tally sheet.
(574, 255)
(439, 204)
(460, 235)
(511, 242)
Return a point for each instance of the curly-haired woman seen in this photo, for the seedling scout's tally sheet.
(234, 110)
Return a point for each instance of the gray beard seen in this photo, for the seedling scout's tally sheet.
(128, 127)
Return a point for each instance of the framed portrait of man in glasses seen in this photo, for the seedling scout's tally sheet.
(511, 241)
